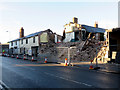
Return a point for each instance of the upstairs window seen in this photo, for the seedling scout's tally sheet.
(11, 43)
(16, 43)
(22, 41)
(26, 41)
(33, 39)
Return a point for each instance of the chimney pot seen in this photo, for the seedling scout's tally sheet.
(75, 20)
(21, 32)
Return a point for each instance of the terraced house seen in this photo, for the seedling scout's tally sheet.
(30, 44)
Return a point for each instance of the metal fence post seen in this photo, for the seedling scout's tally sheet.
(68, 55)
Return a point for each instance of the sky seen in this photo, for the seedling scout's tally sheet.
(38, 16)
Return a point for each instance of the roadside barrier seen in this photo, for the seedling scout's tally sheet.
(91, 66)
(45, 60)
(65, 62)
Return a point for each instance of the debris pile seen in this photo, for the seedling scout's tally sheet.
(83, 51)
(89, 50)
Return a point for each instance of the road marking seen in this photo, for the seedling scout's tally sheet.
(1, 87)
(38, 65)
(68, 79)
(2, 83)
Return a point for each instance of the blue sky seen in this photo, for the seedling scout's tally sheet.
(38, 16)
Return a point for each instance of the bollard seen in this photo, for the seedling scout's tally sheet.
(11, 56)
(8, 55)
(45, 60)
(32, 58)
(65, 62)
(17, 57)
(91, 66)
(24, 57)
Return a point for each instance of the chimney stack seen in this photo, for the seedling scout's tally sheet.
(96, 25)
(75, 20)
(21, 32)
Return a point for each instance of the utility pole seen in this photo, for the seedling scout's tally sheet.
(69, 48)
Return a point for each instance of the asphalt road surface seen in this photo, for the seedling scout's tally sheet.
(18, 73)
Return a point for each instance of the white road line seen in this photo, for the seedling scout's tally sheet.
(1, 87)
(68, 79)
(3, 84)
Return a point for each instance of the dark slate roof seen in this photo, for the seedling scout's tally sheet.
(15, 40)
(31, 35)
(28, 36)
(93, 29)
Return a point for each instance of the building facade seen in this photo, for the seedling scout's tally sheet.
(77, 32)
(4, 49)
(30, 44)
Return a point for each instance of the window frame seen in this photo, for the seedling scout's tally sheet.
(11, 43)
(26, 40)
(33, 39)
(22, 41)
(16, 43)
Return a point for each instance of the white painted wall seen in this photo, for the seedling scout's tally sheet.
(70, 28)
(15, 51)
(56, 38)
(69, 36)
(29, 45)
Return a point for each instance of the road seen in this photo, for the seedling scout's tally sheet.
(18, 73)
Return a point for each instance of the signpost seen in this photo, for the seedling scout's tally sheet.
(69, 48)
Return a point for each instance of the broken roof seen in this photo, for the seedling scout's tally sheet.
(93, 29)
(116, 29)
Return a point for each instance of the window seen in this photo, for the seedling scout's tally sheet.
(22, 41)
(101, 36)
(20, 50)
(33, 39)
(16, 42)
(26, 41)
(11, 43)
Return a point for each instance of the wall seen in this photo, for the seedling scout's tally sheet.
(29, 45)
(69, 36)
(43, 37)
(15, 47)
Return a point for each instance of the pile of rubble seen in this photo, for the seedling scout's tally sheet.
(89, 51)
(48, 48)
(83, 51)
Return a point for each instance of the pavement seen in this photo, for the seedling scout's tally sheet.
(18, 73)
(104, 67)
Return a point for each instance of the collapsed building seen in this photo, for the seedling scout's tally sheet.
(79, 43)
(90, 43)
(113, 44)
(79, 32)
(86, 41)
